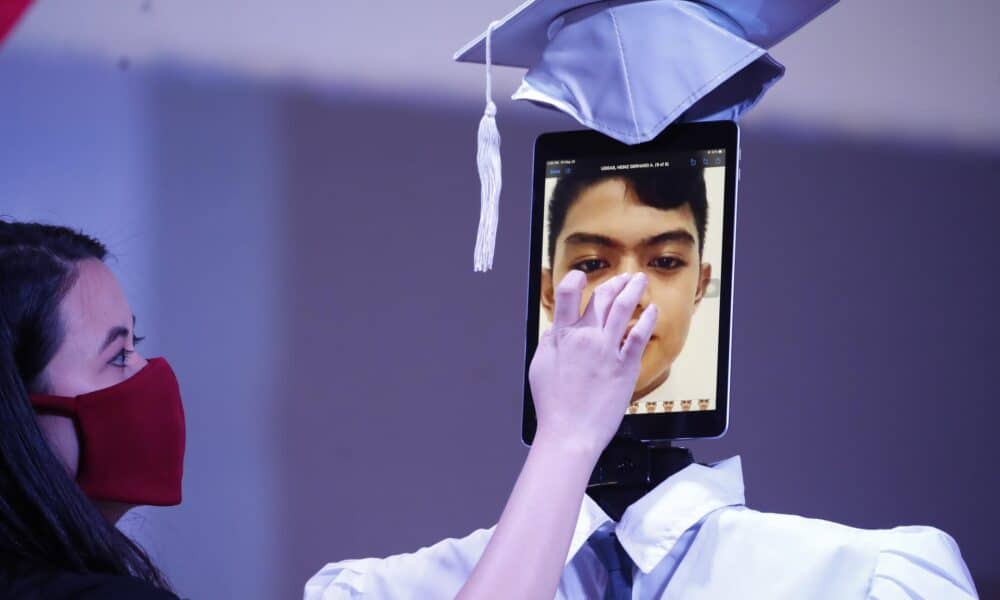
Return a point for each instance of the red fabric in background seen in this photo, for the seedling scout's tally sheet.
(10, 12)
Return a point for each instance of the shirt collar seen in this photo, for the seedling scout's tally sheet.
(591, 518)
(650, 527)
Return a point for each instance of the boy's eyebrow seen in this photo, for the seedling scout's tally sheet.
(593, 239)
(583, 238)
(675, 235)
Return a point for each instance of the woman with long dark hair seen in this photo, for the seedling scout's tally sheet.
(89, 428)
(55, 541)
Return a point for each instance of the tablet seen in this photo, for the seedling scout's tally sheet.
(666, 207)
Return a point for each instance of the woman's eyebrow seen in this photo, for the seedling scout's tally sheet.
(114, 333)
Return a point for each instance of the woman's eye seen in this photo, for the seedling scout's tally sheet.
(667, 262)
(591, 265)
(121, 359)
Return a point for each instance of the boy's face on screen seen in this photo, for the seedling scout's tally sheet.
(607, 231)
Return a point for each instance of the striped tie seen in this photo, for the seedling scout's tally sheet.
(618, 563)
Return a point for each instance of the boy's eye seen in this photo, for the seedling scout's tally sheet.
(667, 262)
(590, 265)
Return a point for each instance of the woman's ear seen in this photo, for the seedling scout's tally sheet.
(548, 293)
(703, 279)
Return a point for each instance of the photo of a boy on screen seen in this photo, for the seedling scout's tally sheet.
(651, 220)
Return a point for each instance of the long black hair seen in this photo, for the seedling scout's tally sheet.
(46, 522)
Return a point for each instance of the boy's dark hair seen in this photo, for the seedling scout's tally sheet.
(664, 189)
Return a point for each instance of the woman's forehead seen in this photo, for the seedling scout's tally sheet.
(95, 303)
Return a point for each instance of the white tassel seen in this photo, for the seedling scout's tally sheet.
(488, 160)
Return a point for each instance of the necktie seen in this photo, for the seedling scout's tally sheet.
(617, 562)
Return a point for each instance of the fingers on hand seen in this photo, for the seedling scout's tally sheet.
(569, 294)
(623, 307)
(637, 339)
(600, 302)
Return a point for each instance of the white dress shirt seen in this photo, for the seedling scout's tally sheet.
(692, 537)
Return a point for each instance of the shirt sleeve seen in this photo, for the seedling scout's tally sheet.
(917, 563)
(436, 571)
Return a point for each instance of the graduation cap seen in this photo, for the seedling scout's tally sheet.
(629, 68)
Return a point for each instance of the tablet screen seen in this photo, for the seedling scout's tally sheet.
(661, 213)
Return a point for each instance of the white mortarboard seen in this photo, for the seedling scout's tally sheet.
(629, 68)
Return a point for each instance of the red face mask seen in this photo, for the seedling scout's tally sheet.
(131, 437)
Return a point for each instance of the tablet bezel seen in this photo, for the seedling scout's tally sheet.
(677, 138)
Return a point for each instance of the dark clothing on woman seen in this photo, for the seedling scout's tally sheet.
(82, 586)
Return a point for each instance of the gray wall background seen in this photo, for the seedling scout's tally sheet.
(303, 258)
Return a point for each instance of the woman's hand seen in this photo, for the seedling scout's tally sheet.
(583, 374)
